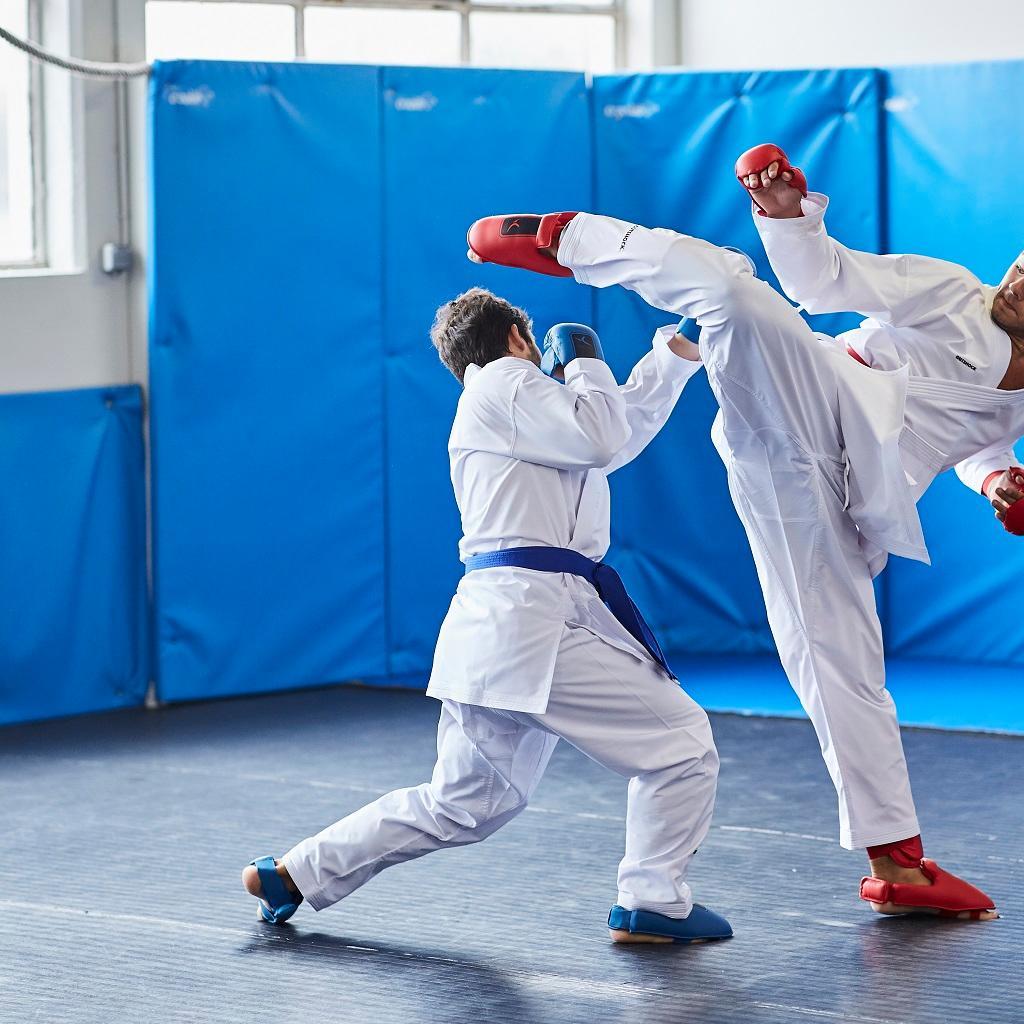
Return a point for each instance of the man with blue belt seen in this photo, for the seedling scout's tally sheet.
(541, 641)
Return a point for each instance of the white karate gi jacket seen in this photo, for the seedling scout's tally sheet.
(930, 400)
(529, 463)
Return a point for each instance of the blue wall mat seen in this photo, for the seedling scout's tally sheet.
(458, 144)
(266, 376)
(960, 607)
(666, 146)
(951, 196)
(73, 537)
(951, 141)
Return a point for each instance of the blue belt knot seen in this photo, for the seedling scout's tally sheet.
(604, 579)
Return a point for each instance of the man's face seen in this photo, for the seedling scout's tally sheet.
(535, 353)
(1008, 306)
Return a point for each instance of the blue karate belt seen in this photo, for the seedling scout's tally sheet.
(602, 577)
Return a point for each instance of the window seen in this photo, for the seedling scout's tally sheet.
(522, 40)
(20, 233)
(583, 35)
(349, 35)
(219, 30)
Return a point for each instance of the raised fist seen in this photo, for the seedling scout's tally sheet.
(1006, 492)
(775, 186)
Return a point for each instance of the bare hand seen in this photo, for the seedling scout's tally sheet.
(773, 193)
(1003, 491)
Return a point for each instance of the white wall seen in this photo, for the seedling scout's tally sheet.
(73, 326)
(837, 33)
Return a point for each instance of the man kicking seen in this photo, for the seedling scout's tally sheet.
(529, 653)
(829, 443)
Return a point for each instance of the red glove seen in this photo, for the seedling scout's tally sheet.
(1014, 520)
(758, 159)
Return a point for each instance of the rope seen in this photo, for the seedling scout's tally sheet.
(93, 68)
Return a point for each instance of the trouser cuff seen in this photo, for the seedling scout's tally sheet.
(850, 840)
(677, 910)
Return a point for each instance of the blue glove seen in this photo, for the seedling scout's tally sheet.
(566, 342)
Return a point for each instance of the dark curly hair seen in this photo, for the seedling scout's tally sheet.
(473, 328)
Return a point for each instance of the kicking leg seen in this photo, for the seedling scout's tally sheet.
(668, 270)
(488, 765)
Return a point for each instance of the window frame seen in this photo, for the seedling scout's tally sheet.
(614, 9)
(36, 151)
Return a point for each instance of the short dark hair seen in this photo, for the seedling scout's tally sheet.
(473, 328)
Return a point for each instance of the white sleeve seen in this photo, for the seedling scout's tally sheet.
(580, 425)
(973, 472)
(824, 276)
(651, 394)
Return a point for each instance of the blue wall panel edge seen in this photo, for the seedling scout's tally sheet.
(73, 595)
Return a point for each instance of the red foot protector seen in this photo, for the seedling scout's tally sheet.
(1014, 521)
(515, 240)
(947, 894)
(758, 159)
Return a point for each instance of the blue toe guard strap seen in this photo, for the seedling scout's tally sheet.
(701, 924)
(278, 902)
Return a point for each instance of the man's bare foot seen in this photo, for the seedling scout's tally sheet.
(888, 870)
(550, 250)
(621, 936)
(251, 880)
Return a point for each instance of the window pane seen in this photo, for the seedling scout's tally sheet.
(16, 209)
(382, 37)
(584, 42)
(219, 31)
(505, 3)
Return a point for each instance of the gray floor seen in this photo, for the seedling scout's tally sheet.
(123, 836)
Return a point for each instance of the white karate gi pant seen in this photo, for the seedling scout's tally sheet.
(620, 710)
(780, 436)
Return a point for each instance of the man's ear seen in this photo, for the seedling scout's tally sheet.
(517, 344)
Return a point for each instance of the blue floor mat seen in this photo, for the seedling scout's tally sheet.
(510, 931)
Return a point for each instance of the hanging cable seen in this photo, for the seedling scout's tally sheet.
(92, 68)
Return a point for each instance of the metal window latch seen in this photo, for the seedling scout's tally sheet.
(116, 258)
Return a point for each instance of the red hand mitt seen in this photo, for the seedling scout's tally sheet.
(1014, 521)
(758, 159)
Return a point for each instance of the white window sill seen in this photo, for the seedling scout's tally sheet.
(18, 272)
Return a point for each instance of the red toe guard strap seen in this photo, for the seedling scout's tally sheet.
(905, 852)
(947, 892)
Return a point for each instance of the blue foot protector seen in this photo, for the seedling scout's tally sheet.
(702, 925)
(278, 904)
